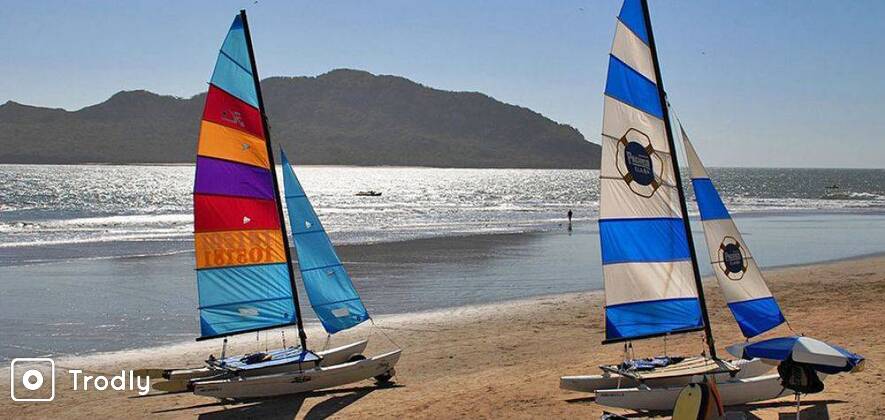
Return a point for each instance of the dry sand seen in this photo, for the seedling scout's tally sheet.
(505, 360)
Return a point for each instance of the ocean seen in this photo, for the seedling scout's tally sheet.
(51, 213)
(99, 257)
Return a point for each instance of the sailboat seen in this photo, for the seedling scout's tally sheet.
(652, 283)
(245, 279)
(333, 299)
(750, 301)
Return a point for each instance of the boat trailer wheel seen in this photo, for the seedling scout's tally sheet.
(384, 378)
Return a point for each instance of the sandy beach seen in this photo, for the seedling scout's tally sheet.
(504, 360)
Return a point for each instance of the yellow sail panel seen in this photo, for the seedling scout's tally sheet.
(242, 247)
(221, 142)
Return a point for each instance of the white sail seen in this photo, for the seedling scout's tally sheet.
(647, 264)
(748, 297)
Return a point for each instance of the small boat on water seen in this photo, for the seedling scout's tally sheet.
(369, 193)
(245, 279)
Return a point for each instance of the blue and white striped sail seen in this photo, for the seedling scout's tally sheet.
(754, 308)
(647, 267)
(329, 288)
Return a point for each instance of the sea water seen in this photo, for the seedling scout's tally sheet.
(53, 212)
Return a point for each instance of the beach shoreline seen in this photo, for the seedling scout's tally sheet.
(313, 327)
(113, 304)
(504, 359)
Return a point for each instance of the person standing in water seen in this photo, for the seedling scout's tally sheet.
(569, 219)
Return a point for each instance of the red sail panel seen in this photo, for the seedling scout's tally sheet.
(227, 110)
(222, 213)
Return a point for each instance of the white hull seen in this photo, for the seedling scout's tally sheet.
(592, 383)
(733, 392)
(329, 357)
(295, 382)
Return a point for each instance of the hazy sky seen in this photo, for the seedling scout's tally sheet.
(757, 83)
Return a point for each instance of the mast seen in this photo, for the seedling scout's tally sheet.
(300, 324)
(678, 178)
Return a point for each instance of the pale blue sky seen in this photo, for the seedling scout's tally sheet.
(757, 83)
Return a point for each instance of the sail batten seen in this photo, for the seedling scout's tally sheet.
(243, 269)
(751, 303)
(328, 285)
(648, 265)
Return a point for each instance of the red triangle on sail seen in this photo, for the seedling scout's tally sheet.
(218, 212)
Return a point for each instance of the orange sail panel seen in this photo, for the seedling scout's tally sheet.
(218, 212)
(244, 247)
(226, 143)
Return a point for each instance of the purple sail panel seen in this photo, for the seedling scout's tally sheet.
(221, 177)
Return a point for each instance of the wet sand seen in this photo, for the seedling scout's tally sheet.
(504, 360)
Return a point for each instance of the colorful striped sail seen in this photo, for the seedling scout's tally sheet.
(243, 273)
(329, 288)
(754, 308)
(647, 264)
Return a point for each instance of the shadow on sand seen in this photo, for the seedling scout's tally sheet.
(811, 410)
(285, 407)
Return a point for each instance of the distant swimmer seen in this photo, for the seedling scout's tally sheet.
(569, 219)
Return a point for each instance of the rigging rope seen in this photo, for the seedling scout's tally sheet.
(372, 320)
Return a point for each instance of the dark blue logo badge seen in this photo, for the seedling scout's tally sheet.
(638, 163)
(733, 259)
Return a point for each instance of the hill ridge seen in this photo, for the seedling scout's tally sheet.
(341, 117)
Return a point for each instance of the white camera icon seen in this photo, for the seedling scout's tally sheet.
(27, 377)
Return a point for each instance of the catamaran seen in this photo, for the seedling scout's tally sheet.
(652, 283)
(334, 300)
(750, 301)
(245, 279)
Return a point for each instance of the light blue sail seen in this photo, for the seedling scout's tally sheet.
(328, 285)
(245, 298)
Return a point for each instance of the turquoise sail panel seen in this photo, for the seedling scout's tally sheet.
(329, 288)
(233, 70)
(244, 298)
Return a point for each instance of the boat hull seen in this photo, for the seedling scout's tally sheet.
(329, 357)
(732, 392)
(298, 381)
(592, 383)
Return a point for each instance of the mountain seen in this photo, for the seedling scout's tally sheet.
(345, 117)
